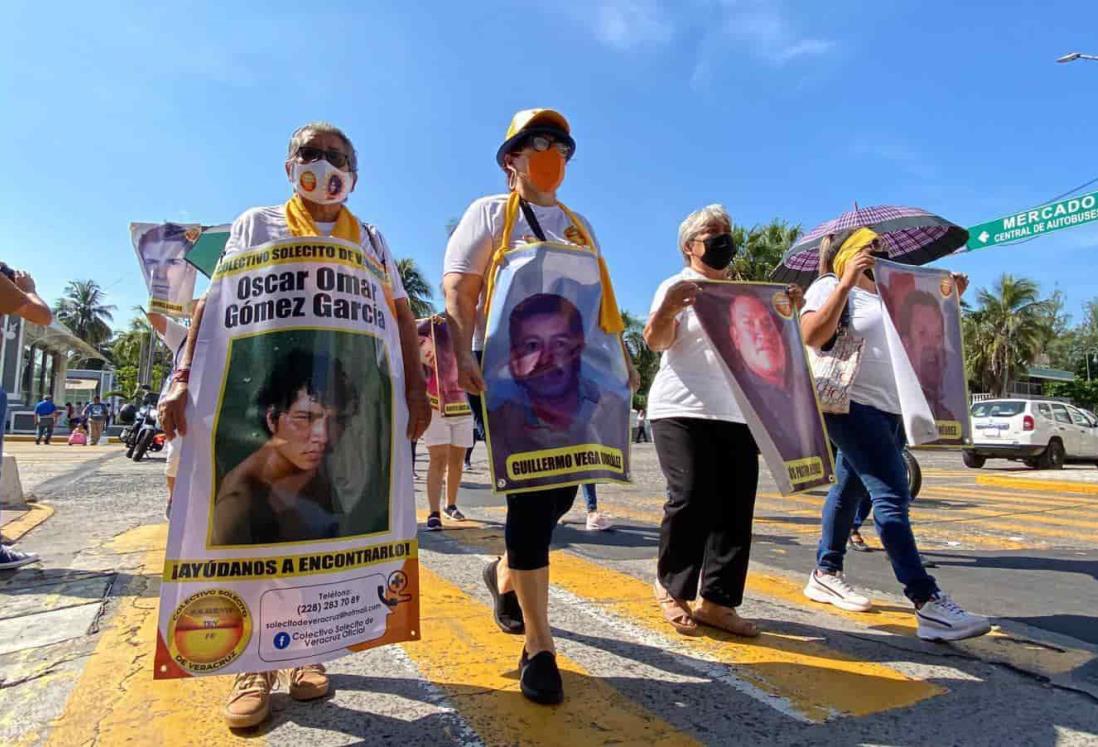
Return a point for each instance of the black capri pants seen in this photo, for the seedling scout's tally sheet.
(531, 518)
(712, 472)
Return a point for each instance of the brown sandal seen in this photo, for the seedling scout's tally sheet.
(727, 620)
(675, 612)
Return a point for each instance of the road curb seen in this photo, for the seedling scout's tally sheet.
(36, 514)
(1045, 486)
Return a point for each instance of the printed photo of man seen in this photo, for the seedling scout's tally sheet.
(551, 403)
(284, 492)
(162, 251)
(921, 325)
(761, 348)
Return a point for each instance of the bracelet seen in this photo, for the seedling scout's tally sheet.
(182, 375)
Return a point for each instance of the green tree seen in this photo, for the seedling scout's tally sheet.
(761, 248)
(82, 310)
(416, 286)
(1005, 332)
(644, 360)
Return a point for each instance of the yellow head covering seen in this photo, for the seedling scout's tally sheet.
(857, 241)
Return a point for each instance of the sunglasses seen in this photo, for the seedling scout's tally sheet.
(309, 154)
(542, 143)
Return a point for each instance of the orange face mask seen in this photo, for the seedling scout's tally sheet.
(546, 169)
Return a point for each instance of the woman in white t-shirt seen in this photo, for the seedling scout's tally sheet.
(706, 452)
(869, 442)
(534, 154)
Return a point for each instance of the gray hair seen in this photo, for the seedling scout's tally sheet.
(320, 127)
(699, 220)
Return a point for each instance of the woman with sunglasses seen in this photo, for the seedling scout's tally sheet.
(534, 154)
(869, 442)
(322, 169)
(705, 449)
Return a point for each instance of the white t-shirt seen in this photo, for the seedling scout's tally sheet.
(875, 383)
(480, 232)
(175, 335)
(262, 224)
(690, 382)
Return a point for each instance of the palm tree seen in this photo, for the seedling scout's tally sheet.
(417, 288)
(1006, 332)
(645, 361)
(761, 248)
(82, 310)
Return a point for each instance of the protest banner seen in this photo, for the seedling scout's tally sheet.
(757, 335)
(925, 310)
(161, 250)
(292, 537)
(436, 351)
(557, 399)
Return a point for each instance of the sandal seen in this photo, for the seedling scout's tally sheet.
(857, 543)
(675, 612)
(728, 620)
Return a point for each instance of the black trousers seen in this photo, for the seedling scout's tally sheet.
(531, 518)
(712, 473)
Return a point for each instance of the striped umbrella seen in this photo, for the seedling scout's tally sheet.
(912, 236)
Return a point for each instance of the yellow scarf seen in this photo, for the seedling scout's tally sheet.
(301, 223)
(609, 315)
(857, 241)
(347, 227)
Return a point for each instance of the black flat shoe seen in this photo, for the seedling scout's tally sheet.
(540, 678)
(505, 607)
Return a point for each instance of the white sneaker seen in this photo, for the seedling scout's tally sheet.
(832, 588)
(942, 619)
(596, 522)
(11, 558)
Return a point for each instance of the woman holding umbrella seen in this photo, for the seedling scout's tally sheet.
(869, 441)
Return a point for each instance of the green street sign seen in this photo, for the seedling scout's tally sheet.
(1068, 213)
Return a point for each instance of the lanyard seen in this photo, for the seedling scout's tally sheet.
(532, 219)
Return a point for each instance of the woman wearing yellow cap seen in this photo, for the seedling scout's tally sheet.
(533, 155)
(869, 442)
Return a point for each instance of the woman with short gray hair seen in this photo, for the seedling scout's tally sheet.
(705, 449)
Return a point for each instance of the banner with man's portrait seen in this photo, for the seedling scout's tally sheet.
(293, 535)
(925, 309)
(558, 399)
(161, 250)
(757, 335)
(436, 352)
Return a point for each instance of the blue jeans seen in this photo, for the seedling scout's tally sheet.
(869, 460)
(863, 512)
(590, 497)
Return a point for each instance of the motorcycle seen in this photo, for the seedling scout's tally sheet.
(142, 436)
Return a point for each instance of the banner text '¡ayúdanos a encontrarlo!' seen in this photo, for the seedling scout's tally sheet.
(286, 566)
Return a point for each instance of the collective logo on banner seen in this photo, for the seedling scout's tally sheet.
(925, 310)
(161, 251)
(757, 337)
(293, 534)
(436, 352)
(558, 398)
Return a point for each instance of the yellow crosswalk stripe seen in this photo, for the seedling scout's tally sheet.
(116, 700)
(463, 653)
(1029, 483)
(817, 681)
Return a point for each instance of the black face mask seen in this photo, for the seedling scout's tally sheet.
(719, 251)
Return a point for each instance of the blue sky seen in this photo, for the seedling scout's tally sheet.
(786, 109)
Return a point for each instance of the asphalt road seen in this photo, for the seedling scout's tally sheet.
(76, 632)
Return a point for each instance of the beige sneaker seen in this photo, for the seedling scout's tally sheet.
(308, 682)
(249, 703)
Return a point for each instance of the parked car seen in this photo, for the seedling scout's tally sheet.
(1041, 433)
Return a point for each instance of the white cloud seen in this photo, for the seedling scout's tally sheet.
(624, 24)
(768, 33)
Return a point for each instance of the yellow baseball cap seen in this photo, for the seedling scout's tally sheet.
(531, 121)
